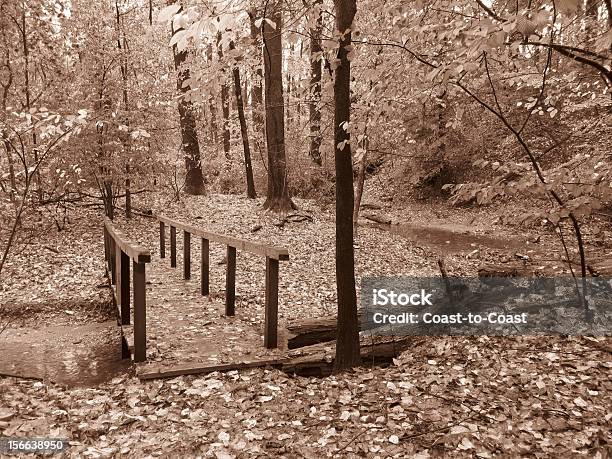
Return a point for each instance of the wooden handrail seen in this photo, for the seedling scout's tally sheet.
(277, 253)
(136, 252)
(271, 253)
(118, 251)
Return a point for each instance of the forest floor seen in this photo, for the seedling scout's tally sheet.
(463, 397)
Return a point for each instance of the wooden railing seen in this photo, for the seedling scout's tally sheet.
(118, 252)
(272, 254)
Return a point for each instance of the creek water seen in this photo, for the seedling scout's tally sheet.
(453, 238)
(73, 355)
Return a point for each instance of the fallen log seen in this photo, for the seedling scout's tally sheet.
(318, 359)
(370, 205)
(384, 220)
(171, 371)
(313, 331)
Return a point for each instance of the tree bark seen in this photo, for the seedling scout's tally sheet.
(194, 180)
(360, 177)
(6, 86)
(224, 101)
(214, 135)
(257, 96)
(316, 59)
(278, 199)
(124, 76)
(609, 10)
(243, 130)
(26, 75)
(347, 349)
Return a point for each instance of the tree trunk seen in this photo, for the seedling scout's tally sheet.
(194, 181)
(278, 199)
(6, 86)
(257, 96)
(316, 59)
(243, 130)
(9, 155)
(214, 135)
(347, 349)
(224, 102)
(288, 107)
(107, 197)
(124, 76)
(609, 10)
(360, 177)
(26, 75)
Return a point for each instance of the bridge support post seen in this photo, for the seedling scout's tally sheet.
(112, 260)
(140, 313)
(271, 308)
(230, 282)
(162, 240)
(124, 288)
(186, 255)
(172, 247)
(106, 250)
(205, 268)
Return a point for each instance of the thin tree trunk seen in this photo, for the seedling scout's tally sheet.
(316, 59)
(9, 155)
(224, 102)
(26, 74)
(347, 344)
(211, 102)
(609, 10)
(288, 105)
(126, 143)
(360, 177)
(194, 180)
(441, 134)
(257, 101)
(6, 86)
(243, 130)
(278, 199)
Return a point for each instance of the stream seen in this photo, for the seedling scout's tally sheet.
(73, 355)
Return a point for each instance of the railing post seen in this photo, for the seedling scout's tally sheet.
(122, 286)
(106, 248)
(205, 268)
(118, 279)
(162, 240)
(271, 308)
(113, 254)
(186, 255)
(124, 289)
(230, 282)
(172, 246)
(140, 313)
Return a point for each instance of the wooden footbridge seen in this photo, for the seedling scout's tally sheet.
(131, 289)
